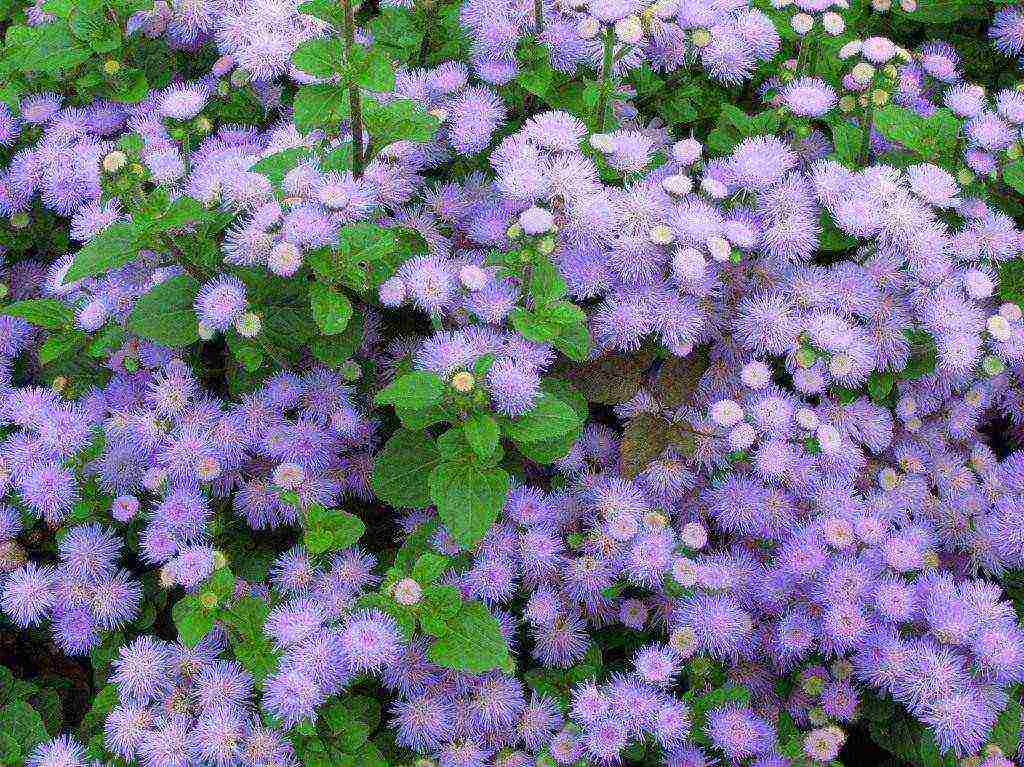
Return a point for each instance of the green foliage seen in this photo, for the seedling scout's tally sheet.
(43, 312)
(418, 390)
(402, 469)
(468, 498)
(113, 247)
(399, 120)
(330, 529)
(166, 314)
(932, 138)
(331, 309)
(471, 641)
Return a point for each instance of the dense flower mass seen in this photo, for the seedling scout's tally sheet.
(497, 383)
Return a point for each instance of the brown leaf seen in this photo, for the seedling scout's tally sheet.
(611, 379)
(678, 377)
(644, 439)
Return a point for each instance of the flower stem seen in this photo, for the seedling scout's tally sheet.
(355, 106)
(865, 146)
(606, 77)
(538, 16)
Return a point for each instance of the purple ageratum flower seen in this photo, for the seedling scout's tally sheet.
(125, 727)
(514, 387)
(1007, 31)
(473, 117)
(183, 101)
(738, 732)
(51, 490)
(28, 594)
(809, 97)
(606, 739)
(62, 751)
(292, 696)
(89, 553)
(143, 670)
(370, 640)
(220, 301)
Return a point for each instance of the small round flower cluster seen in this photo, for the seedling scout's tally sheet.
(728, 38)
(188, 705)
(84, 595)
(992, 128)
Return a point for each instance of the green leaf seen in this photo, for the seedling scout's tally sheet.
(326, 10)
(534, 326)
(276, 166)
(574, 342)
(546, 284)
(165, 314)
(24, 724)
(48, 48)
(192, 620)
(934, 11)
(549, 418)
(331, 310)
(472, 642)
(879, 386)
(1013, 175)
(115, 246)
(43, 312)
(321, 105)
(468, 498)
(396, 31)
(923, 355)
(933, 138)
(331, 529)
(320, 57)
(417, 390)
(1007, 730)
(847, 140)
(61, 345)
(366, 255)
(402, 469)
(429, 567)
(547, 451)
(482, 434)
(399, 120)
(438, 605)
(373, 69)
(535, 72)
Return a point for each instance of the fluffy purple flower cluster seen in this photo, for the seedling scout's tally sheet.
(727, 38)
(799, 487)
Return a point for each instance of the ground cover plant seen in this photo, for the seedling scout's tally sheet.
(526, 383)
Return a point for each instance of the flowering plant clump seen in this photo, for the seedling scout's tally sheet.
(511, 383)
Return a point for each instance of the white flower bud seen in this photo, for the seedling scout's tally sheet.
(629, 30)
(802, 23)
(999, 327)
(678, 185)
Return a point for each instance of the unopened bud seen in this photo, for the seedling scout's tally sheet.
(463, 382)
(114, 161)
(111, 67)
(629, 30)
(407, 592)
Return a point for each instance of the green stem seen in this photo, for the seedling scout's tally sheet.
(355, 106)
(538, 16)
(865, 145)
(606, 77)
